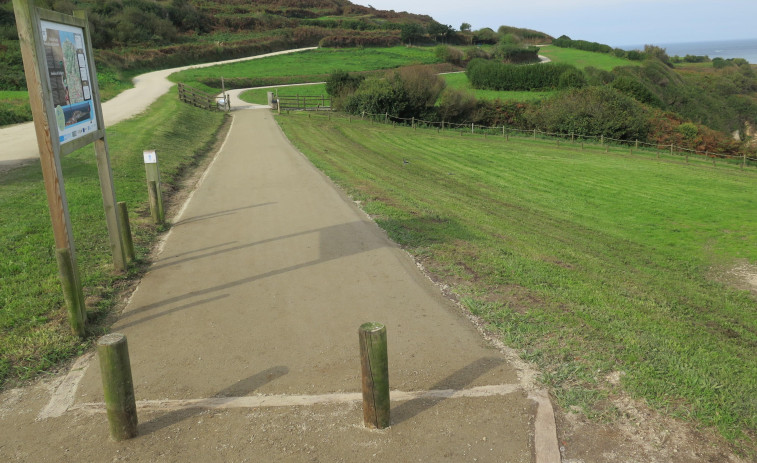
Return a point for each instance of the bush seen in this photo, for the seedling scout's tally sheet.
(341, 82)
(637, 90)
(409, 92)
(498, 76)
(516, 54)
(592, 111)
(572, 78)
(449, 54)
(456, 105)
(472, 53)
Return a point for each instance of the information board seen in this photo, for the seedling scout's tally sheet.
(70, 80)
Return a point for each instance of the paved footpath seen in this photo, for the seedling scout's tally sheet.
(244, 345)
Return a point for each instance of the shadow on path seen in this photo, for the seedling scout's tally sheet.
(456, 381)
(241, 388)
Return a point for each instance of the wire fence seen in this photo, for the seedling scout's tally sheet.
(505, 131)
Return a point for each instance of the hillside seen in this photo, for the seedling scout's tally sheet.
(137, 35)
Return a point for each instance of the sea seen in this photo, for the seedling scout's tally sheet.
(746, 49)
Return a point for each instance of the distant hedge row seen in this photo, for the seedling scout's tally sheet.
(493, 75)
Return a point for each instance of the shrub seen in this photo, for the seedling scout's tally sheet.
(498, 76)
(592, 111)
(378, 96)
(341, 82)
(572, 78)
(449, 54)
(472, 53)
(636, 89)
(688, 130)
(456, 105)
(516, 54)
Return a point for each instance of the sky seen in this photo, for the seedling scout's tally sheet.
(613, 22)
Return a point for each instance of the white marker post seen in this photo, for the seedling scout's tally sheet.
(153, 186)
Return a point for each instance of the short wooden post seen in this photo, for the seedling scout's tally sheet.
(375, 374)
(72, 293)
(118, 387)
(637, 144)
(152, 171)
(126, 237)
(601, 139)
(412, 123)
(152, 191)
(687, 157)
(671, 149)
(534, 134)
(507, 137)
(743, 162)
(572, 139)
(386, 117)
(471, 127)
(503, 130)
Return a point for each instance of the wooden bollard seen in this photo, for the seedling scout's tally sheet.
(375, 373)
(118, 387)
(152, 191)
(126, 238)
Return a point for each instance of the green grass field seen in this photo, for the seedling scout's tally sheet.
(582, 59)
(588, 263)
(35, 333)
(460, 81)
(260, 95)
(313, 66)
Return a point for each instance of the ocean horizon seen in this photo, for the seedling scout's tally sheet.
(745, 48)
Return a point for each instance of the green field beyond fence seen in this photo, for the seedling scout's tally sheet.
(592, 263)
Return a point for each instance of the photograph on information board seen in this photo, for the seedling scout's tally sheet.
(69, 76)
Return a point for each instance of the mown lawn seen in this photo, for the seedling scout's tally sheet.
(460, 81)
(582, 59)
(589, 263)
(314, 65)
(34, 333)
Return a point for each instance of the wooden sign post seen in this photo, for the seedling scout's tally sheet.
(65, 104)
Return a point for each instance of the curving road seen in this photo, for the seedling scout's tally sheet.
(20, 142)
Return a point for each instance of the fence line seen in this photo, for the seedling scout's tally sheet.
(201, 99)
(303, 103)
(505, 131)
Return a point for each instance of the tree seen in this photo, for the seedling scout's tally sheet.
(440, 31)
(465, 27)
(410, 32)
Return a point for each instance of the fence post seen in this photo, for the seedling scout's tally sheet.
(582, 145)
(601, 139)
(386, 117)
(572, 137)
(118, 387)
(471, 127)
(503, 130)
(153, 186)
(375, 375)
(534, 134)
(412, 124)
(637, 143)
(671, 149)
(743, 162)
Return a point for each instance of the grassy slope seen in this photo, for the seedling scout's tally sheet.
(33, 330)
(589, 263)
(313, 66)
(582, 59)
(460, 81)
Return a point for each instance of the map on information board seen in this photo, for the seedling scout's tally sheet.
(70, 80)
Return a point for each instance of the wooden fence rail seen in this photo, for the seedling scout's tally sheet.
(201, 99)
(304, 103)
